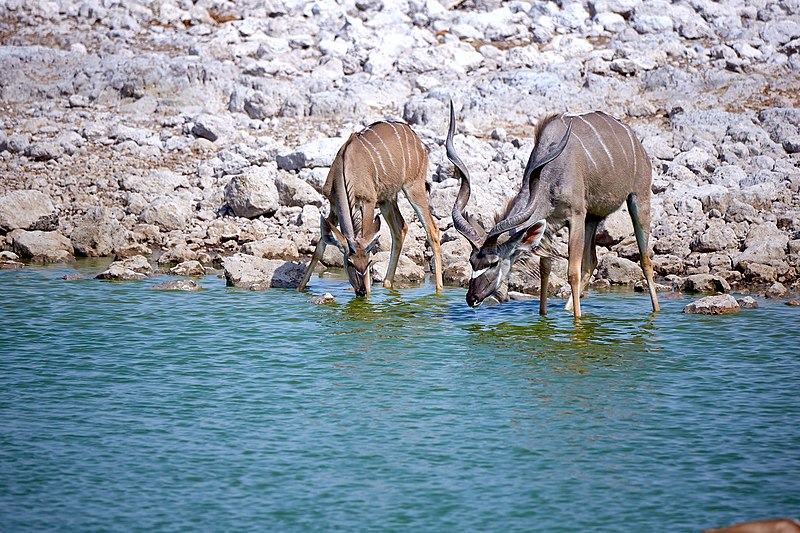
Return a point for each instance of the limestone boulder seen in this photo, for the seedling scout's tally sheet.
(747, 302)
(274, 248)
(618, 271)
(98, 233)
(407, 271)
(457, 273)
(716, 237)
(456, 252)
(9, 261)
(188, 268)
(44, 246)
(776, 290)
(177, 253)
(253, 193)
(723, 304)
(318, 153)
(28, 210)
(255, 273)
(158, 182)
(168, 212)
(294, 191)
(615, 228)
(705, 283)
(131, 269)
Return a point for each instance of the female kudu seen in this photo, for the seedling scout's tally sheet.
(369, 170)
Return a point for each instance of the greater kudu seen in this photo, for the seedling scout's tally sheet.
(369, 170)
(580, 171)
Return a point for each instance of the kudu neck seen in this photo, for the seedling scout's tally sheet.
(536, 199)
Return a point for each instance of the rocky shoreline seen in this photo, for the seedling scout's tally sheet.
(182, 131)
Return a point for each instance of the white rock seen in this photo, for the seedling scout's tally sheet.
(45, 246)
(253, 193)
(253, 273)
(27, 209)
(722, 304)
(168, 212)
(317, 153)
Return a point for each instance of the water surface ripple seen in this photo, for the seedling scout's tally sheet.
(124, 408)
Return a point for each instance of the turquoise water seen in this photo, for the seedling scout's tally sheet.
(124, 408)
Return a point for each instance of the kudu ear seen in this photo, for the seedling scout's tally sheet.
(375, 230)
(532, 236)
(331, 234)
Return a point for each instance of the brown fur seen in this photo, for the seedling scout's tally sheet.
(586, 166)
(369, 171)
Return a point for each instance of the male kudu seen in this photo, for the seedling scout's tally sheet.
(369, 170)
(580, 171)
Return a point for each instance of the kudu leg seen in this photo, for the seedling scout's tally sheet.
(640, 222)
(318, 253)
(545, 265)
(575, 251)
(398, 229)
(589, 260)
(418, 198)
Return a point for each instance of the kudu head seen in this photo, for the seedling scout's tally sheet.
(357, 252)
(521, 230)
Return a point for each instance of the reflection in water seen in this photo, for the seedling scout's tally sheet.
(593, 337)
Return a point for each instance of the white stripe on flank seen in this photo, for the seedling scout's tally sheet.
(415, 143)
(600, 140)
(366, 149)
(613, 128)
(406, 146)
(401, 145)
(633, 146)
(386, 149)
(588, 153)
(380, 159)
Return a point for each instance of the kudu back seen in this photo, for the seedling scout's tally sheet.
(369, 171)
(580, 171)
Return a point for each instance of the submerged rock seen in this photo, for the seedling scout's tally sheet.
(131, 269)
(748, 302)
(326, 298)
(723, 304)
(178, 285)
